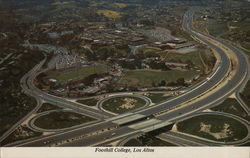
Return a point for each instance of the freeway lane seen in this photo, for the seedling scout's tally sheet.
(183, 112)
(178, 139)
(104, 137)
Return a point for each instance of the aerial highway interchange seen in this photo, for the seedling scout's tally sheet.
(226, 79)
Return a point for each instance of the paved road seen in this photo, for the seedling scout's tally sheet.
(181, 140)
(173, 116)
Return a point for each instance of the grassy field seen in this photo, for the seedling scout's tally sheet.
(193, 126)
(239, 34)
(236, 31)
(47, 107)
(183, 34)
(147, 77)
(217, 28)
(193, 57)
(81, 73)
(147, 142)
(110, 13)
(233, 107)
(157, 97)
(179, 10)
(199, 23)
(89, 102)
(116, 105)
(59, 120)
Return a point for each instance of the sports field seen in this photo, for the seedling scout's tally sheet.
(78, 73)
(149, 77)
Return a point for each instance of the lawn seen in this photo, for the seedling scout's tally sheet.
(193, 126)
(217, 28)
(239, 34)
(47, 107)
(81, 73)
(89, 102)
(110, 13)
(233, 107)
(59, 120)
(121, 105)
(193, 57)
(148, 77)
(179, 10)
(157, 97)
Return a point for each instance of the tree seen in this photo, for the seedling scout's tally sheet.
(181, 81)
(162, 83)
(171, 84)
(153, 84)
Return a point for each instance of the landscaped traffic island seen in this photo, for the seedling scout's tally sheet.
(61, 119)
(124, 104)
(214, 127)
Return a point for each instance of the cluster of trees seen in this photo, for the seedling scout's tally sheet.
(179, 82)
(88, 81)
(147, 54)
(103, 53)
(139, 64)
(158, 65)
(130, 64)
